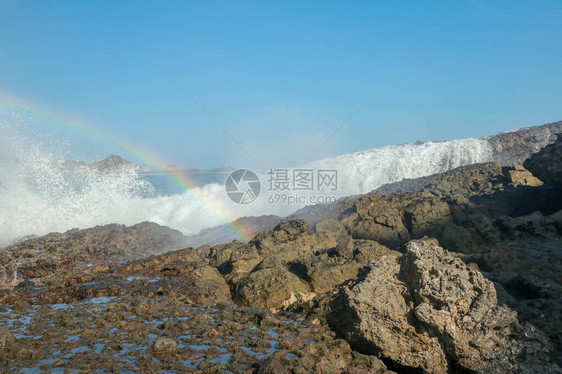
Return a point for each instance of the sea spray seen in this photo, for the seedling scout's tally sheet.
(365, 171)
(37, 196)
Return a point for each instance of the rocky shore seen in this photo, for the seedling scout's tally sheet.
(459, 272)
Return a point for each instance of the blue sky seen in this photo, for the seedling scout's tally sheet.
(281, 76)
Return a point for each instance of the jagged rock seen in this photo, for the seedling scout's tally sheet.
(477, 179)
(333, 267)
(532, 225)
(460, 207)
(395, 219)
(529, 272)
(427, 310)
(285, 264)
(518, 175)
(541, 258)
(320, 212)
(371, 313)
(378, 219)
(547, 163)
(285, 231)
(272, 287)
(260, 272)
(456, 237)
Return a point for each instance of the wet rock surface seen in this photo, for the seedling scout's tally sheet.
(171, 312)
(38, 258)
(153, 334)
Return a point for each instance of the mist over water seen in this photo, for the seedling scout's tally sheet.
(37, 196)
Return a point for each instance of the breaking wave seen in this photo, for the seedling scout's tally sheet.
(365, 171)
(37, 196)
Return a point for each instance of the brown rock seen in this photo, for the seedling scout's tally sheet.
(333, 226)
(519, 176)
(271, 287)
(165, 345)
(6, 338)
(261, 272)
(395, 219)
(333, 267)
(271, 365)
(372, 312)
(285, 231)
(427, 309)
(37, 258)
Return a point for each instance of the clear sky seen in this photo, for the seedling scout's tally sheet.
(281, 76)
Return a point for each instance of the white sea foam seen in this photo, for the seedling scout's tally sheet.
(362, 172)
(36, 197)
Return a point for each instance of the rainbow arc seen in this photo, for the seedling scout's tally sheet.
(148, 157)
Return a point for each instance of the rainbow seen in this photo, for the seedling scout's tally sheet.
(154, 161)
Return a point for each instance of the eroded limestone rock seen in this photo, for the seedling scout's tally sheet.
(428, 310)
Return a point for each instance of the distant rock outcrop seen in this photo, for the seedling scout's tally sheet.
(115, 164)
(111, 164)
